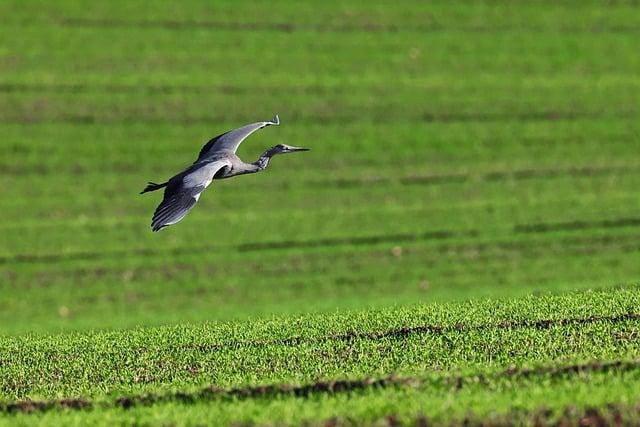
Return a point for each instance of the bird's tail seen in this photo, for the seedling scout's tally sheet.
(152, 186)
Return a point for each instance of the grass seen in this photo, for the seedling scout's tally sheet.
(472, 164)
(287, 369)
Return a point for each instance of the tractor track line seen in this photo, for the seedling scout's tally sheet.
(435, 235)
(305, 390)
(618, 414)
(430, 257)
(576, 225)
(424, 117)
(489, 176)
(407, 331)
(346, 27)
(243, 247)
(408, 180)
(166, 89)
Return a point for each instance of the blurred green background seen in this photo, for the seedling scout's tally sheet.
(460, 150)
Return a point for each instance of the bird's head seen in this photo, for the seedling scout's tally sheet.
(284, 148)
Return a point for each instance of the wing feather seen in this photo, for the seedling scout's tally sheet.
(182, 193)
(173, 210)
(230, 141)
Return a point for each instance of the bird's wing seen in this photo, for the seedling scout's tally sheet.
(183, 192)
(231, 140)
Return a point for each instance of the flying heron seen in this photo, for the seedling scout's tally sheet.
(217, 160)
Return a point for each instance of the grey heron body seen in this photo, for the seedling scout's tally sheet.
(217, 160)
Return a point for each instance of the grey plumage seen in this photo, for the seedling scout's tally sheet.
(230, 141)
(174, 208)
(216, 160)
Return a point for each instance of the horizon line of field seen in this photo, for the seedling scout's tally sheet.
(424, 116)
(348, 27)
(332, 387)
(534, 228)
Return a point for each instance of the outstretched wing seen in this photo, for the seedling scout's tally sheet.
(174, 208)
(231, 140)
(182, 193)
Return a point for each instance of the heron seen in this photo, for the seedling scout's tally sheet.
(217, 160)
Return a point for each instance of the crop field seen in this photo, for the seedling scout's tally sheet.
(460, 246)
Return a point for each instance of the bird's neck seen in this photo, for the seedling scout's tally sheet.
(263, 161)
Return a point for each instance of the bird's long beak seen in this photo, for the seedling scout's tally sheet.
(294, 149)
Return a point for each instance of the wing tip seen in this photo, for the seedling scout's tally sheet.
(275, 120)
(157, 226)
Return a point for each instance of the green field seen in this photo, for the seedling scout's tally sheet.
(462, 244)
